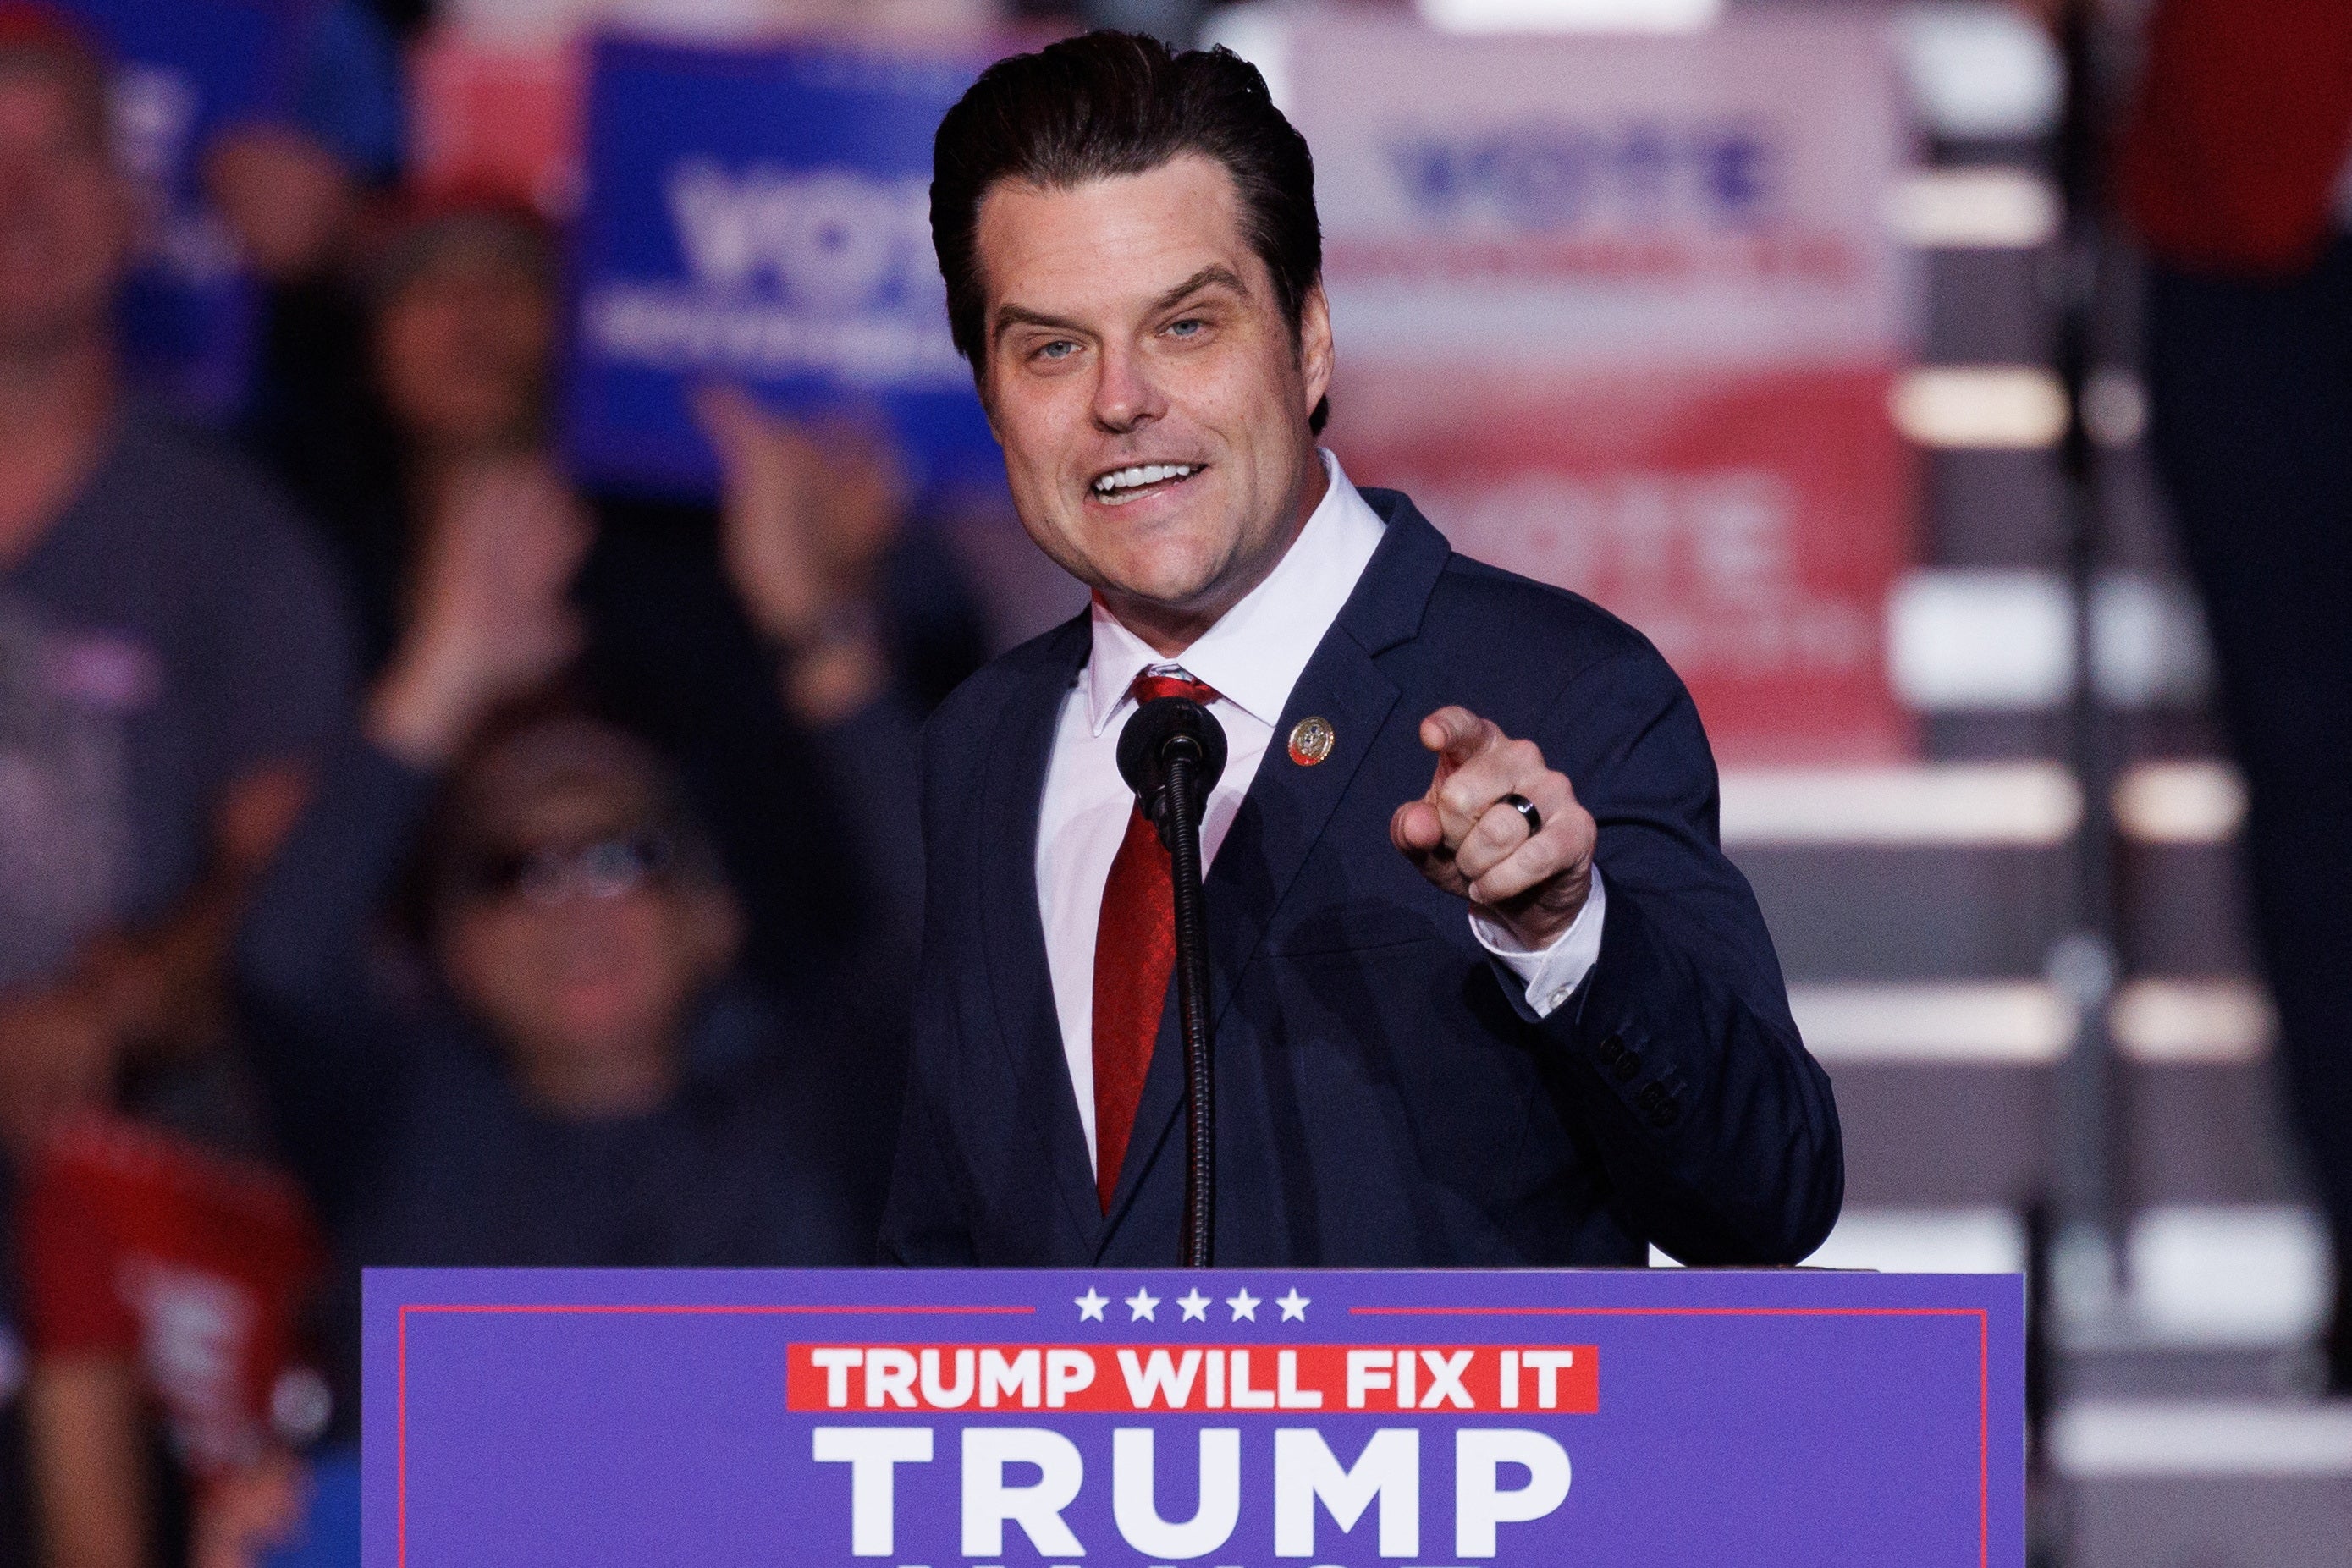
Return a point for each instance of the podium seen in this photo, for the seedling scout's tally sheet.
(1240, 1418)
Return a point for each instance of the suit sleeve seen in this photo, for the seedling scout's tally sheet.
(1717, 1129)
(924, 1223)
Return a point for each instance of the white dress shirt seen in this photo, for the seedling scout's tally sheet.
(1251, 657)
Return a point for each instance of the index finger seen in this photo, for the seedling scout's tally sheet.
(1456, 734)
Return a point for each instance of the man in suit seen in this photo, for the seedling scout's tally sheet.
(1485, 991)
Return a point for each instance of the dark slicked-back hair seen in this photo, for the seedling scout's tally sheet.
(1109, 104)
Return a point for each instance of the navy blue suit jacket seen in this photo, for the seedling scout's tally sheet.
(1382, 1099)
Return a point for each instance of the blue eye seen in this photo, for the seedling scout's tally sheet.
(1059, 348)
(1187, 328)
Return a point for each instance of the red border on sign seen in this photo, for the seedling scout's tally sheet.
(1984, 1354)
(1984, 1358)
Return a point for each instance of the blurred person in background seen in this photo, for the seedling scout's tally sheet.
(725, 634)
(565, 1068)
(171, 656)
(292, 191)
(775, 648)
(289, 186)
(163, 1277)
(252, 128)
(452, 363)
(2238, 175)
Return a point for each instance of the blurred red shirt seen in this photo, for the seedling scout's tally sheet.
(2238, 143)
(194, 1267)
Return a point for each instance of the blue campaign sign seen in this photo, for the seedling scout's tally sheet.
(184, 71)
(761, 216)
(1242, 1417)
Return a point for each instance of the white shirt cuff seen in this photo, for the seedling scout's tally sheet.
(1552, 974)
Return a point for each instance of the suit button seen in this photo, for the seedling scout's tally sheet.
(1611, 1048)
(1666, 1114)
(1627, 1067)
(1650, 1098)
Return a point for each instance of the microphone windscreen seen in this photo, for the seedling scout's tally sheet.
(1143, 747)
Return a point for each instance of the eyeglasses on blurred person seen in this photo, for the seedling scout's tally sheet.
(575, 913)
(544, 875)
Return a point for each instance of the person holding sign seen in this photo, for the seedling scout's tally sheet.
(1485, 989)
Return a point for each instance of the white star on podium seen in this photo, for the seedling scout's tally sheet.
(1143, 1304)
(1090, 1306)
(1195, 1305)
(1294, 1307)
(1243, 1304)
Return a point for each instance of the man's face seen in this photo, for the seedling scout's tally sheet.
(1151, 400)
(64, 214)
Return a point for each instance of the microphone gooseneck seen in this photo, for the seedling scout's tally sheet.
(1171, 754)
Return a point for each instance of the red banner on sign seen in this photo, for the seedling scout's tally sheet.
(1126, 1379)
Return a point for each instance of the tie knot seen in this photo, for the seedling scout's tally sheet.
(1150, 687)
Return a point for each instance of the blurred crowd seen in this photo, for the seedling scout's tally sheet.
(407, 857)
(410, 858)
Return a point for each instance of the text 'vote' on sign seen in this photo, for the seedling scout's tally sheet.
(1564, 1379)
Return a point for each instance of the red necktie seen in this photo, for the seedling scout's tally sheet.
(1135, 951)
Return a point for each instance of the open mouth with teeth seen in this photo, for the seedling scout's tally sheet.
(1120, 485)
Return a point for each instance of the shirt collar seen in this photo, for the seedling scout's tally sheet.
(1256, 652)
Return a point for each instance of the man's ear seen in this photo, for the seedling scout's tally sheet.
(1315, 343)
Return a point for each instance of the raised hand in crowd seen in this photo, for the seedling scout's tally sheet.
(489, 621)
(810, 511)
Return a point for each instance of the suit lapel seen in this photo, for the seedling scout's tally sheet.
(1287, 805)
(1021, 982)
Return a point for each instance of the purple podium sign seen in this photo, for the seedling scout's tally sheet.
(1238, 1419)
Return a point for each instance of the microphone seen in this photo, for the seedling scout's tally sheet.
(1163, 737)
(1171, 754)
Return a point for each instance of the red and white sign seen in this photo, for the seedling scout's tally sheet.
(1126, 1379)
(1622, 314)
(498, 119)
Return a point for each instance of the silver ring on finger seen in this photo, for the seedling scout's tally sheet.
(1525, 808)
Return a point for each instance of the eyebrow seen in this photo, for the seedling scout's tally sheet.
(1214, 274)
(1208, 277)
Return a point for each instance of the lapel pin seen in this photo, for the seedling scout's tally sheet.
(1311, 740)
